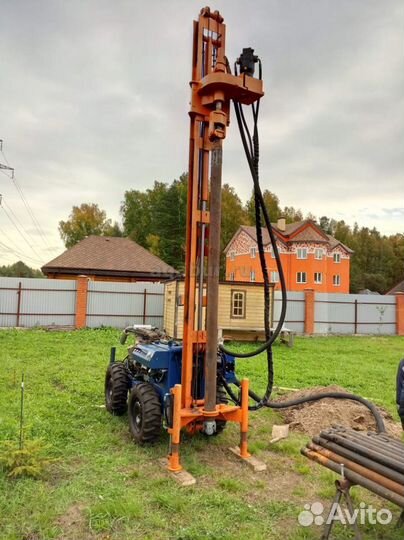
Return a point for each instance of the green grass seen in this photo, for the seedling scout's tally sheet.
(103, 486)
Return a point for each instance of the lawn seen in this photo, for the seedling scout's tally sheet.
(102, 486)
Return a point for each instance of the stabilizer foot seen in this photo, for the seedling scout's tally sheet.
(255, 464)
(183, 477)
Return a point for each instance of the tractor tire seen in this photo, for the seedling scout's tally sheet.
(221, 397)
(144, 411)
(117, 384)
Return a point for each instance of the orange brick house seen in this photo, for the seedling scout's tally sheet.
(310, 257)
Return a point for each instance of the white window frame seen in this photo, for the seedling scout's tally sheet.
(232, 255)
(231, 277)
(252, 276)
(300, 252)
(274, 277)
(336, 280)
(300, 275)
(238, 301)
(318, 254)
(253, 252)
(316, 276)
(336, 257)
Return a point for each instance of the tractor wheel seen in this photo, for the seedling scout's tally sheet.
(144, 411)
(221, 397)
(116, 389)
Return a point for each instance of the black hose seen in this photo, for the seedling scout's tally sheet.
(267, 221)
(315, 397)
(251, 149)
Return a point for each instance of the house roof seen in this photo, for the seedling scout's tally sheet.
(397, 288)
(299, 231)
(109, 255)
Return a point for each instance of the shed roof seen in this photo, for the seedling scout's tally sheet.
(105, 254)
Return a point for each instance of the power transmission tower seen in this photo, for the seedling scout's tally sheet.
(6, 167)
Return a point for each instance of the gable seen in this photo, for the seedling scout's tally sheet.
(241, 243)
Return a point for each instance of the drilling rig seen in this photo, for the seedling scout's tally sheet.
(192, 385)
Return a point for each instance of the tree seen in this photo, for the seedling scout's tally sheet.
(271, 204)
(156, 219)
(233, 215)
(291, 214)
(20, 269)
(85, 220)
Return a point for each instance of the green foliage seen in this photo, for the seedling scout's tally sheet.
(85, 220)
(29, 461)
(156, 219)
(378, 260)
(271, 204)
(20, 269)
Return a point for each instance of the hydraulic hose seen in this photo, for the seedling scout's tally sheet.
(251, 149)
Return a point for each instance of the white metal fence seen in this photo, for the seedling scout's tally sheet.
(122, 304)
(31, 302)
(354, 314)
(37, 302)
(295, 313)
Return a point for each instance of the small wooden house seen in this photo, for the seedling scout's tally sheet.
(241, 309)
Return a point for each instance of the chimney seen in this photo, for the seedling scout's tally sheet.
(281, 224)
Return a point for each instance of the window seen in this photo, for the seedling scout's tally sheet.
(237, 304)
(272, 253)
(252, 275)
(336, 280)
(318, 277)
(301, 277)
(232, 255)
(231, 277)
(253, 252)
(337, 257)
(274, 277)
(302, 253)
(318, 253)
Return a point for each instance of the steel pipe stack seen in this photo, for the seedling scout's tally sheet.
(374, 461)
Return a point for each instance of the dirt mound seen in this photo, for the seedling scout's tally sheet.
(311, 418)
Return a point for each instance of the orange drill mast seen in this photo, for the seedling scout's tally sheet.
(212, 89)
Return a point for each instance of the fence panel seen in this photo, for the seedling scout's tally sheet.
(354, 314)
(8, 301)
(377, 315)
(32, 302)
(295, 311)
(123, 304)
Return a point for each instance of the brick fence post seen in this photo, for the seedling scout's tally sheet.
(309, 311)
(400, 314)
(81, 301)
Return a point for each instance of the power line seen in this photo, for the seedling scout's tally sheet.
(8, 207)
(18, 229)
(22, 196)
(17, 253)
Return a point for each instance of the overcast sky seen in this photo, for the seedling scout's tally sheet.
(94, 100)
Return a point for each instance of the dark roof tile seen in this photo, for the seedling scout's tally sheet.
(104, 253)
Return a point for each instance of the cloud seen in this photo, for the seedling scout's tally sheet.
(95, 98)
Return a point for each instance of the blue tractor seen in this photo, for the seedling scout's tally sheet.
(151, 368)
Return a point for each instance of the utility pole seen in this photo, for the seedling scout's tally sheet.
(5, 167)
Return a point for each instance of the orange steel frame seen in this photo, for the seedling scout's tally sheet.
(212, 88)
